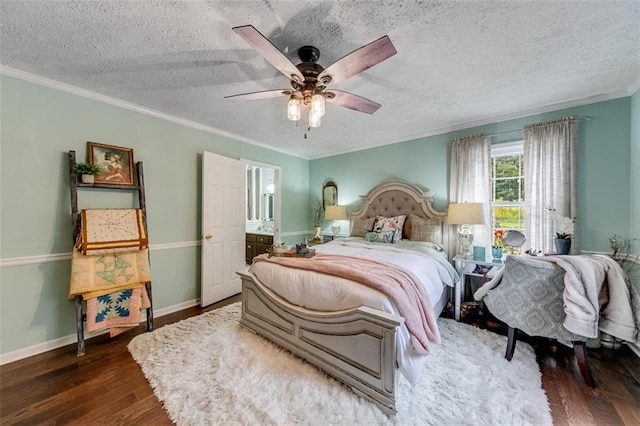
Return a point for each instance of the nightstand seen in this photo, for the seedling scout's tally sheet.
(464, 264)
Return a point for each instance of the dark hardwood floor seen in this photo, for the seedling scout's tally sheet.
(106, 386)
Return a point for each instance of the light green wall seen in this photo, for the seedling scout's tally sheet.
(634, 195)
(635, 168)
(422, 161)
(603, 161)
(39, 126)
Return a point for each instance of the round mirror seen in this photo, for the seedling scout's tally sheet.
(513, 238)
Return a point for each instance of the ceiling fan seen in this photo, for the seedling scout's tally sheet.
(309, 80)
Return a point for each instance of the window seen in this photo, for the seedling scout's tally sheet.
(507, 186)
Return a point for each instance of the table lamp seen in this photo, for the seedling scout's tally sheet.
(335, 213)
(465, 214)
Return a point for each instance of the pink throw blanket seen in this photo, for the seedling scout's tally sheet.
(398, 284)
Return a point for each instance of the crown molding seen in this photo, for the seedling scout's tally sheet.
(54, 84)
(491, 120)
(64, 87)
(634, 87)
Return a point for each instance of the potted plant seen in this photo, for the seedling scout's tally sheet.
(564, 231)
(86, 171)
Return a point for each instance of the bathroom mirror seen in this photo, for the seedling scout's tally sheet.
(513, 238)
(267, 207)
(260, 193)
(329, 194)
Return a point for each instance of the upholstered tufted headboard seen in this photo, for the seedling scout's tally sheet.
(395, 198)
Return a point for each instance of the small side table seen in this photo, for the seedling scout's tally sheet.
(460, 262)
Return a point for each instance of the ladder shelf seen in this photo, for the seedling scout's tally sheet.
(75, 222)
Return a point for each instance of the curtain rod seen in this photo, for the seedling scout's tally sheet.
(570, 118)
(573, 117)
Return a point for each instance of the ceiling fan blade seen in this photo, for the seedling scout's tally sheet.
(351, 101)
(359, 60)
(268, 51)
(265, 94)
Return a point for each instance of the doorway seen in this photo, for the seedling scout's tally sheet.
(263, 198)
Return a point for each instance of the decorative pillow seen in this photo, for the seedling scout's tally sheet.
(425, 230)
(386, 224)
(380, 237)
(360, 227)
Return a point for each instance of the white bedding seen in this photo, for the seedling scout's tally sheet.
(322, 292)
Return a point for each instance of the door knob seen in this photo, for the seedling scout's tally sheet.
(208, 236)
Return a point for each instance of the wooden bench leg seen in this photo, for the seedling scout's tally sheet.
(150, 308)
(511, 343)
(580, 351)
(79, 326)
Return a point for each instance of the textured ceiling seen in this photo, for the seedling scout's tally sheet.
(459, 63)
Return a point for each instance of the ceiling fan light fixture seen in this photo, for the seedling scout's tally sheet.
(294, 108)
(314, 119)
(317, 105)
(309, 79)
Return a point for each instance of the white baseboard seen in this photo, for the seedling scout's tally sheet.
(73, 338)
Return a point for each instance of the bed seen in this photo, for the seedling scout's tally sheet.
(360, 340)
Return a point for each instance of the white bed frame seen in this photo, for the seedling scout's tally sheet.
(356, 346)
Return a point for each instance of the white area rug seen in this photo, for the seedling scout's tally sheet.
(209, 370)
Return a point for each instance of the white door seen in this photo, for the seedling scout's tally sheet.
(223, 227)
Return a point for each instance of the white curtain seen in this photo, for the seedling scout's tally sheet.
(550, 157)
(470, 179)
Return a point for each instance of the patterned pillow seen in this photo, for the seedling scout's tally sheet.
(386, 224)
(361, 226)
(380, 237)
(424, 230)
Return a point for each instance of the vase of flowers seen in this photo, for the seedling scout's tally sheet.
(565, 227)
(496, 248)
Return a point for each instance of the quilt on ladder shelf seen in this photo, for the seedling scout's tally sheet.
(117, 311)
(112, 230)
(109, 268)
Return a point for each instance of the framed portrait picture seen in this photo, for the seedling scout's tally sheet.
(116, 164)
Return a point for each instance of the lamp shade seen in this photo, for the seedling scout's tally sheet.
(465, 214)
(335, 213)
